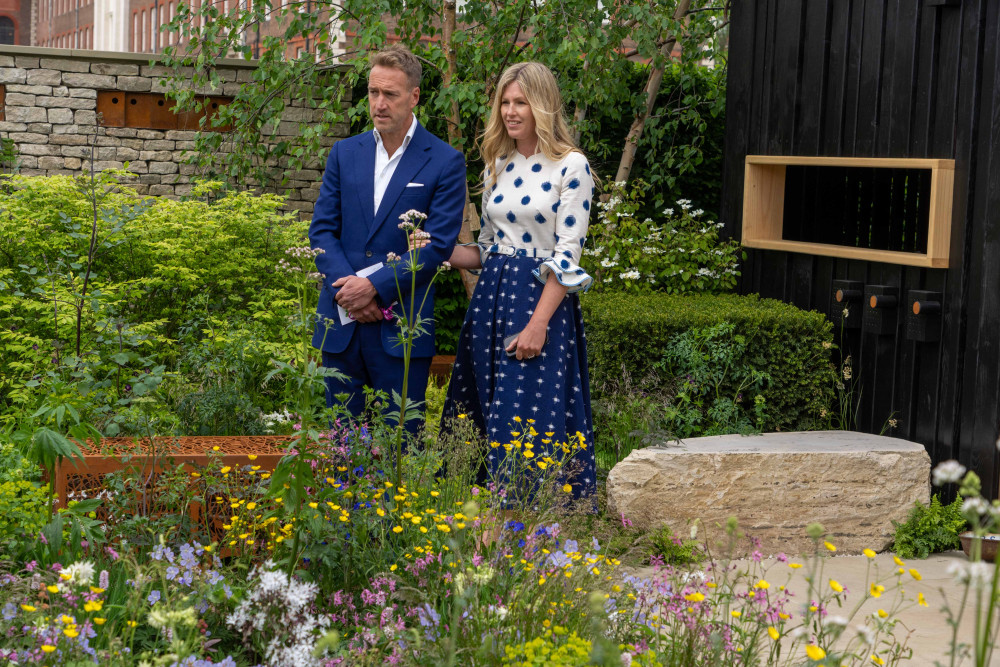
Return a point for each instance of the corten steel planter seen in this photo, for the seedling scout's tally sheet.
(151, 457)
(441, 365)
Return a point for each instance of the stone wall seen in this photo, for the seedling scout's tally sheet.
(51, 115)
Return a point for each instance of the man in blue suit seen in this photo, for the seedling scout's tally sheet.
(370, 180)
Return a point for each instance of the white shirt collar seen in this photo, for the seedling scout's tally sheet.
(406, 140)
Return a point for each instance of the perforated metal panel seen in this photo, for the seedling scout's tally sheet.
(152, 111)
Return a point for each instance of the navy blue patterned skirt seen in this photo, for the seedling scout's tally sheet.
(500, 394)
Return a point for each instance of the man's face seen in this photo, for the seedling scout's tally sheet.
(391, 100)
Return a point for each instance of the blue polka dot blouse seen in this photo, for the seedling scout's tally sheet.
(541, 208)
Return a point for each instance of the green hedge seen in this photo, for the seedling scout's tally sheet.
(633, 345)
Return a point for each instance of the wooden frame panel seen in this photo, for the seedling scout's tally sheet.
(764, 196)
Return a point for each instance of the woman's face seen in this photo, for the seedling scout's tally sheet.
(516, 114)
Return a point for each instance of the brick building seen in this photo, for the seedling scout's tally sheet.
(15, 22)
(131, 26)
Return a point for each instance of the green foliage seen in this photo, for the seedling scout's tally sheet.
(559, 647)
(224, 365)
(13, 466)
(158, 264)
(672, 550)
(682, 255)
(929, 529)
(682, 146)
(626, 420)
(24, 508)
(769, 359)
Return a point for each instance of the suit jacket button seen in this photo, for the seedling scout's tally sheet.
(368, 253)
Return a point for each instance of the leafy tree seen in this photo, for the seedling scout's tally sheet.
(591, 45)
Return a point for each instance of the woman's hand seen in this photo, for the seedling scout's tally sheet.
(529, 343)
(417, 239)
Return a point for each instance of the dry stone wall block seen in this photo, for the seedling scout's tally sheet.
(855, 484)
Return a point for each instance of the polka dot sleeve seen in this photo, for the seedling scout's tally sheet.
(487, 231)
(572, 220)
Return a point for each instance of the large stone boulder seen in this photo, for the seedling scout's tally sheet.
(776, 484)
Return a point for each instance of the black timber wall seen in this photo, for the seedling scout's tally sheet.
(886, 78)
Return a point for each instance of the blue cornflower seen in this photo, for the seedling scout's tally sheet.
(515, 526)
(359, 471)
(521, 543)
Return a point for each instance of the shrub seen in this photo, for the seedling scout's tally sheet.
(770, 359)
(678, 252)
(929, 529)
(23, 508)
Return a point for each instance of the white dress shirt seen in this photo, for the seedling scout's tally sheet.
(385, 166)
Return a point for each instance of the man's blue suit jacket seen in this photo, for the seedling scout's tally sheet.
(429, 178)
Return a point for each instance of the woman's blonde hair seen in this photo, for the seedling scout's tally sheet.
(542, 92)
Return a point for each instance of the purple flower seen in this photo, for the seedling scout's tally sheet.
(153, 598)
(515, 526)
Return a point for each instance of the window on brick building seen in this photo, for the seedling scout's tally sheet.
(6, 30)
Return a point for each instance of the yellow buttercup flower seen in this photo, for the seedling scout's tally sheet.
(48, 648)
(795, 566)
(915, 574)
(836, 586)
(815, 652)
(921, 600)
(28, 608)
(694, 597)
(773, 633)
(252, 457)
(567, 488)
(877, 660)
(898, 562)
(762, 584)
(869, 553)
(882, 613)
(99, 621)
(735, 614)
(52, 588)
(877, 590)
(829, 546)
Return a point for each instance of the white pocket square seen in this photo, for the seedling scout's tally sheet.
(414, 185)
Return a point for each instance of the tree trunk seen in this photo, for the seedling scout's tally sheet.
(470, 218)
(652, 90)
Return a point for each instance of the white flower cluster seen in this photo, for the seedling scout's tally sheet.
(411, 219)
(978, 575)
(277, 608)
(273, 418)
(80, 573)
(948, 472)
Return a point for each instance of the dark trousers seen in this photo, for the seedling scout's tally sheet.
(366, 363)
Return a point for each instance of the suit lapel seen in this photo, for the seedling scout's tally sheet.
(364, 184)
(413, 160)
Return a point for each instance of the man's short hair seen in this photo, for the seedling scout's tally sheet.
(398, 57)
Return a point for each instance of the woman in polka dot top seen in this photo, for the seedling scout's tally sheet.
(538, 193)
